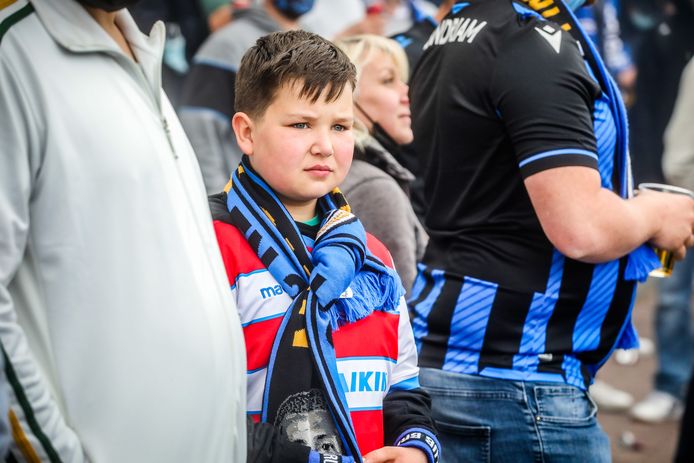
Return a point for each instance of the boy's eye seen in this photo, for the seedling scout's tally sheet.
(339, 128)
(300, 125)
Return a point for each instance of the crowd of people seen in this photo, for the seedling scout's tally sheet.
(304, 231)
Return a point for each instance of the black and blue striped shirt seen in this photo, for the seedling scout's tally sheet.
(499, 95)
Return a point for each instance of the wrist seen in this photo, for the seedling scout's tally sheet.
(651, 212)
(315, 457)
(422, 439)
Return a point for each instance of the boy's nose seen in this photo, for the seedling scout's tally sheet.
(322, 145)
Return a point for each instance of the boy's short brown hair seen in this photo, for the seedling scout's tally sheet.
(286, 58)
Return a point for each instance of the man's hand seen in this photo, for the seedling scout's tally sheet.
(396, 455)
(676, 221)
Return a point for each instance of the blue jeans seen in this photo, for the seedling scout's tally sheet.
(673, 329)
(501, 421)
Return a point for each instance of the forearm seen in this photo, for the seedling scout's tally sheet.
(587, 222)
(613, 227)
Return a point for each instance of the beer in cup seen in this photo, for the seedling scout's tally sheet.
(667, 261)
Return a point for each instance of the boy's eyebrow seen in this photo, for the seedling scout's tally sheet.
(313, 117)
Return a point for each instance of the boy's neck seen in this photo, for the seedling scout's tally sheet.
(302, 212)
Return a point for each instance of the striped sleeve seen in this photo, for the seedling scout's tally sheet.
(39, 431)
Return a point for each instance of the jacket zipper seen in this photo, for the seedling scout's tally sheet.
(167, 130)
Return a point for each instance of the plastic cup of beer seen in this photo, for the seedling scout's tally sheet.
(667, 261)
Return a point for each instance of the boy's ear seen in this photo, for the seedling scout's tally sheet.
(243, 128)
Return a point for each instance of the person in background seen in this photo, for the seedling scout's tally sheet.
(120, 338)
(535, 240)
(186, 29)
(637, 18)
(601, 23)
(403, 14)
(332, 19)
(663, 56)
(678, 166)
(310, 283)
(377, 186)
(207, 101)
(412, 41)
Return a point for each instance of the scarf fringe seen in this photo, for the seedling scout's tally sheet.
(640, 262)
(370, 291)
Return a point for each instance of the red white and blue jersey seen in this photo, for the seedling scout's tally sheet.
(375, 355)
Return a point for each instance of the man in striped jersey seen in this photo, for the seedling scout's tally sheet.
(535, 245)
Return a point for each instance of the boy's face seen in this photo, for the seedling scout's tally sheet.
(303, 150)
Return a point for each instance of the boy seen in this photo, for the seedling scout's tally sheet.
(332, 369)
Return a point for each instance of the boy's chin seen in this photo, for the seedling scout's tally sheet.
(317, 191)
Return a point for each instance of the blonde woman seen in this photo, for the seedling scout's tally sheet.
(377, 185)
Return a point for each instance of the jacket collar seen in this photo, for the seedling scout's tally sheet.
(73, 28)
(375, 153)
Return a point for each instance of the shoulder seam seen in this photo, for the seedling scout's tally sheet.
(14, 18)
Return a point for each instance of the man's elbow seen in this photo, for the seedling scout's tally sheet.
(580, 245)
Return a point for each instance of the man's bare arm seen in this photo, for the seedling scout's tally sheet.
(592, 224)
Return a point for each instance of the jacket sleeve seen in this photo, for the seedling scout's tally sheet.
(678, 157)
(207, 106)
(267, 445)
(39, 430)
(407, 420)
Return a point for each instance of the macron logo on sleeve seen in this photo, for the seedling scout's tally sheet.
(552, 35)
(271, 291)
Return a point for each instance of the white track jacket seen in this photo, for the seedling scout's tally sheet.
(122, 338)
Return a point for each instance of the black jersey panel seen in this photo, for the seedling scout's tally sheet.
(545, 97)
(483, 103)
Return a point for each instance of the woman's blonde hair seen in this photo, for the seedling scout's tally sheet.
(361, 49)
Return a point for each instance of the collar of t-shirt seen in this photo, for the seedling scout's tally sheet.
(309, 231)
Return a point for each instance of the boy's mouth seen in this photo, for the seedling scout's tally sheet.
(319, 168)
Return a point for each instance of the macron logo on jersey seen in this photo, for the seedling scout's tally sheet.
(271, 291)
(551, 35)
(455, 30)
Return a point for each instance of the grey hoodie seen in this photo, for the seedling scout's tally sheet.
(378, 197)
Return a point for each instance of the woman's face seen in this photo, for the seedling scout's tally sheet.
(382, 95)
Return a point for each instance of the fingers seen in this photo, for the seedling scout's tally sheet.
(382, 455)
(689, 242)
(679, 253)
